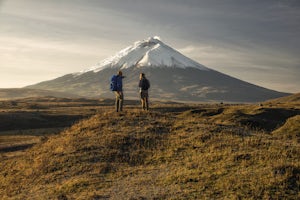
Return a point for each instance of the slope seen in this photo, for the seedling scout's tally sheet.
(290, 99)
(151, 52)
(18, 93)
(173, 76)
(172, 152)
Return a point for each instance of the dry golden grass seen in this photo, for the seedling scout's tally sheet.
(290, 130)
(172, 152)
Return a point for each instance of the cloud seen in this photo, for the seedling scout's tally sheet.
(262, 67)
(253, 40)
(22, 45)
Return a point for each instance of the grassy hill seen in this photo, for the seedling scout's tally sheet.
(175, 151)
(291, 100)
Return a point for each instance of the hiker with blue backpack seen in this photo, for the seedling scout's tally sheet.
(144, 85)
(116, 85)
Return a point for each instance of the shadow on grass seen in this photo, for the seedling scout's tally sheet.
(15, 148)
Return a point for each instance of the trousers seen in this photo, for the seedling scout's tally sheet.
(119, 100)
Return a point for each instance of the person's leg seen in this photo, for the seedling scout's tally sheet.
(143, 103)
(146, 99)
(147, 103)
(121, 100)
(142, 99)
(117, 102)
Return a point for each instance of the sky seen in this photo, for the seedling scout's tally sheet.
(252, 40)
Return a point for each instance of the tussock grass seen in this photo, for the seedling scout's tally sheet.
(173, 152)
(290, 130)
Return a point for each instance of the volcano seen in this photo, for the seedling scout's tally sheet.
(173, 77)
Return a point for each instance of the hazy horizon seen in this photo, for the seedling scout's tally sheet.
(254, 41)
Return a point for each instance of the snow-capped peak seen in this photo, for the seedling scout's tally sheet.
(151, 52)
(148, 42)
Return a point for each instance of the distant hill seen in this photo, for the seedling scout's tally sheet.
(173, 77)
(294, 98)
(17, 93)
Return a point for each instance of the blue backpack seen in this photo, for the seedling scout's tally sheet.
(113, 83)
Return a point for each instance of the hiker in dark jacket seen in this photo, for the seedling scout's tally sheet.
(144, 85)
(118, 90)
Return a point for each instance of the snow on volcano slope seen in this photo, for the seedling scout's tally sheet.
(151, 52)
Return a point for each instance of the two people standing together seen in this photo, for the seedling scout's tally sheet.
(116, 86)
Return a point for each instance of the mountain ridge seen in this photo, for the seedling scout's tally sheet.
(173, 76)
(151, 52)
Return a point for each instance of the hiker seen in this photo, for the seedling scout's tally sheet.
(144, 85)
(116, 85)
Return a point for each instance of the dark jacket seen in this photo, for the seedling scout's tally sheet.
(120, 83)
(144, 84)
